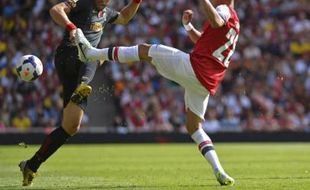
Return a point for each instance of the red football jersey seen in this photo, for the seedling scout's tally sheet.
(212, 52)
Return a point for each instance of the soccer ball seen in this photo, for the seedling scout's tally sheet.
(29, 68)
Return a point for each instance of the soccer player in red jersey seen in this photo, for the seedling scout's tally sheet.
(199, 72)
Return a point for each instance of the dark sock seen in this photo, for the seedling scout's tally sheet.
(87, 72)
(50, 145)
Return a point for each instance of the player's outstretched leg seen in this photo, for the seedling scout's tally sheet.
(87, 53)
(84, 47)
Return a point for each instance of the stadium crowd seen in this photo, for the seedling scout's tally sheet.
(267, 87)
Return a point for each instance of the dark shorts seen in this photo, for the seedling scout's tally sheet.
(71, 71)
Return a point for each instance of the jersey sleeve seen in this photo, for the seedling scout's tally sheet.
(224, 12)
(77, 5)
(111, 15)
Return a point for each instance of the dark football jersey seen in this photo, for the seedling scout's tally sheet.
(92, 21)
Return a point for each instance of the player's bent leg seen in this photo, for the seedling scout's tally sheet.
(72, 118)
(81, 93)
(83, 90)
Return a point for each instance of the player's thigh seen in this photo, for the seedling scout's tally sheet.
(175, 65)
(196, 95)
(68, 70)
(169, 62)
(66, 61)
(196, 102)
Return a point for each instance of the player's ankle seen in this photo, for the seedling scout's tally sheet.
(218, 170)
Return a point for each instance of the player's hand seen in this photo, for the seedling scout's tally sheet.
(187, 16)
(72, 34)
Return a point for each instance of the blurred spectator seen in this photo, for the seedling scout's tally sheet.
(212, 123)
(230, 121)
(21, 121)
(2, 126)
(267, 87)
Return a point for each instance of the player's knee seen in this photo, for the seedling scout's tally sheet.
(71, 129)
(144, 52)
(71, 125)
(193, 122)
(190, 128)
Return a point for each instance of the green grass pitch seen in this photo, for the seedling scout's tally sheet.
(264, 166)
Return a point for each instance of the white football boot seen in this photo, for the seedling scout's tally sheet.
(224, 179)
(84, 47)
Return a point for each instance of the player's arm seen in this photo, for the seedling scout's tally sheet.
(214, 17)
(59, 14)
(192, 32)
(128, 12)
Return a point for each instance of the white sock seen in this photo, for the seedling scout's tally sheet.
(127, 54)
(99, 54)
(121, 54)
(206, 148)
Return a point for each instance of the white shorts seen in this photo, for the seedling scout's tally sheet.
(175, 65)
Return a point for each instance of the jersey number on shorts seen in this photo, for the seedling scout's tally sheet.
(232, 40)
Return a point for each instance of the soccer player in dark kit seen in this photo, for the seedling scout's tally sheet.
(91, 16)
